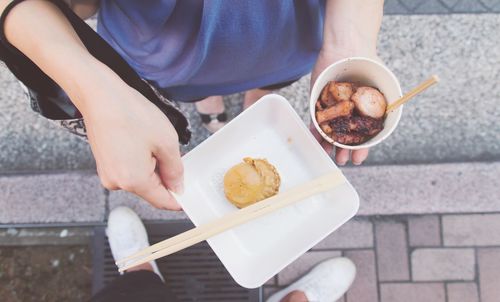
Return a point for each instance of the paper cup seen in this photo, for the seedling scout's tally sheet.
(366, 72)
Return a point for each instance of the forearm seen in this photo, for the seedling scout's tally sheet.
(352, 26)
(39, 30)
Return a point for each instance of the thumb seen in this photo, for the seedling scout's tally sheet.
(171, 169)
(326, 145)
(315, 132)
(157, 195)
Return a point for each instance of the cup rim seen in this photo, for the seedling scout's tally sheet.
(371, 142)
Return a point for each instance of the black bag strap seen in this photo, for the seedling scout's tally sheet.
(35, 79)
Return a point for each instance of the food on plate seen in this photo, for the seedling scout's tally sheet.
(251, 181)
(350, 114)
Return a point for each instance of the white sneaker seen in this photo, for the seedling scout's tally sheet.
(127, 235)
(326, 282)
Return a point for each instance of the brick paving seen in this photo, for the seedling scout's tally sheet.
(462, 292)
(489, 271)
(442, 264)
(392, 251)
(434, 258)
(424, 231)
(463, 230)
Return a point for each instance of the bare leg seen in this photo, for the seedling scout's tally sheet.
(252, 96)
(141, 267)
(295, 296)
(213, 105)
(210, 105)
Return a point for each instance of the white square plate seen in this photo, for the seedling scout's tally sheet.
(257, 250)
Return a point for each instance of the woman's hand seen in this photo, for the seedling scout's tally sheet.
(135, 146)
(342, 156)
(350, 29)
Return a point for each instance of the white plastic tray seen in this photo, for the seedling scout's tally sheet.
(257, 250)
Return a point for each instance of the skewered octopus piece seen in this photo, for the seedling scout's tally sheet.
(355, 129)
(343, 108)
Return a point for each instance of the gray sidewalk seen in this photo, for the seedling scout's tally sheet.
(455, 121)
(77, 197)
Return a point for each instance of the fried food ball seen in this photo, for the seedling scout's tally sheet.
(369, 102)
(251, 181)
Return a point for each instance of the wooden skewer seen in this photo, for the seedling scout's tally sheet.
(203, 232)
(423, 86)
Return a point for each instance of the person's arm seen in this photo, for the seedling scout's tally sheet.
(133, 142)
(351, 28)
(83, 8)
(39, 30)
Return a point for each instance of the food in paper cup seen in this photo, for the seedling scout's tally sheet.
(350, 114)
(353, 95)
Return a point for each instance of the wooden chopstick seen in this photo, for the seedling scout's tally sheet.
(203, 232)
(423, 86)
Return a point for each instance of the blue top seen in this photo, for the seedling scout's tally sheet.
(193, 49)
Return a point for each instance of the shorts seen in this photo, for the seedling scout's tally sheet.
(144, 286)
(50, 101)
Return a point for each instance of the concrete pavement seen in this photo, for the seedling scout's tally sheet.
(68, 197)
(454, 121)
